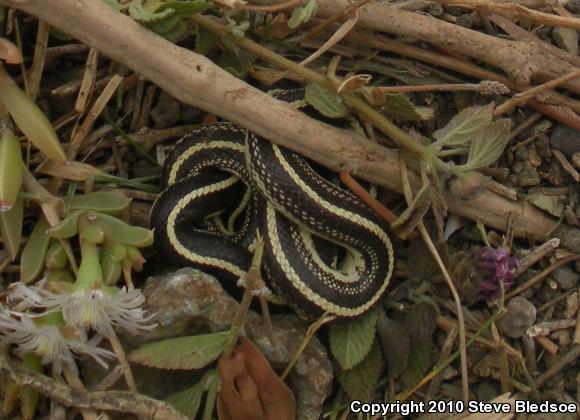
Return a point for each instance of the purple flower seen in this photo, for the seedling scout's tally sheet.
(496, 265)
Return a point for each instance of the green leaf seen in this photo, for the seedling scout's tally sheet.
(115, 5)
(29, 118)
(102, 201)
(68, 227)
(205, 40)
(148, 13)
(171, 28)
(400, 107)
(360, 381)
(188, 401)
(550, 203)
(11, 167)
(34, 252)
(350, 342)
(420, 324)
(325, 102)
(188, 353)
(462, 128)
(396, 344)
(488, 145)
(302, 14)
(11, 227)
(118, 231)
(55, 256)
(29, 396)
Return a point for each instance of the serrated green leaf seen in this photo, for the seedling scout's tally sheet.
(462, 128)
(101, 201)
(550, 203)
(205, 40)
(188, 401)
(360, 381)
(188, 353)
(400, 107)
(395, 342)
(325, 102)
(11, 227)
(115, 5)
(34, 252)
(420, 324)
(350, 342)
(488, 145)
(148, 13)
(418, 362)
(302, 14)
(11, 168)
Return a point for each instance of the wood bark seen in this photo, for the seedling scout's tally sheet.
(195, 80)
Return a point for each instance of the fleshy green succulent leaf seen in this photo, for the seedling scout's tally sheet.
(350, 342)
(11, 227)
(187, 7)
(400, 107)
(136, 258)
(118, 231)
(325, 101)
(68, 227)
(94, 234)
(101, 201)
(34, 252)
(189, 353)
(11, 394)
(55, 256)
(28, 396)
(112, 255)
(188, 401)
(461, 129)
(302, 14)
(487, 145)
(29, 118)
(90, 273)
(11, 167)
(360, 381)
(59, 276)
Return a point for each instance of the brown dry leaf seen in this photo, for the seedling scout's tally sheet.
(250, 389)
(9, 52)
(69, 170)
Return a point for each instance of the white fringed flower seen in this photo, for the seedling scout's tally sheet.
(47, 342)
(92, 309)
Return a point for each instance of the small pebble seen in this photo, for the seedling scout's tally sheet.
(529, 177)
(555, 174)
(512, 181)
(542, 144)
(565, 277)
(520, 315)
(576, 160)
(566, 139)
(518, 167)
(521, 153)
(567, 39)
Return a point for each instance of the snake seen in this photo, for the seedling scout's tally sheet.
(223, 186)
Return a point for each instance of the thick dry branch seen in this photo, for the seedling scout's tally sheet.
(195, 80)
(521, 62)
(119, 401)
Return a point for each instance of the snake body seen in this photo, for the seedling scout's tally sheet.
(223, 183)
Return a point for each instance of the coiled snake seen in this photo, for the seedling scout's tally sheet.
(223, 183)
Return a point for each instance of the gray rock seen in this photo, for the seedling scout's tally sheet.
(576, 160)
(521, 315)
(569, 238)
(565, 277)
(566, 139)
(521, 153)
(189, 301)
(529, 177)
(567, 39)
(573, 6)
(518, 166)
